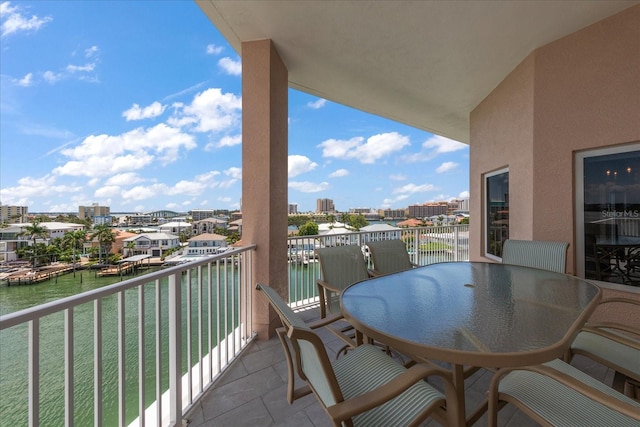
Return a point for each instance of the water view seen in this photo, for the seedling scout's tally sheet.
(14, 350)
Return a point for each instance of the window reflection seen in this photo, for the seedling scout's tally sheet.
(612, 217)
(497, 211)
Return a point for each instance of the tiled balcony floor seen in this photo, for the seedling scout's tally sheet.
(253, 391)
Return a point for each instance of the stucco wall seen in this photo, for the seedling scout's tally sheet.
(579, 92)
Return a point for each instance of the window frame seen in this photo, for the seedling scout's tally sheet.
(485, 210)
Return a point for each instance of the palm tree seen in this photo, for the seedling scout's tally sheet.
(75, 239)
(105, 237)
(35, 231)
(130, 247)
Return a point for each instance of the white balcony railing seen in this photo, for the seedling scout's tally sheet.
(426, 245)
(158, 340)
(155, 343)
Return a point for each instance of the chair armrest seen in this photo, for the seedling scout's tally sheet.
(349, 408)
(573, 383)
(325, 321)
(322, 283)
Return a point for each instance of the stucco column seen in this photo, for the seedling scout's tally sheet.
(264, 173)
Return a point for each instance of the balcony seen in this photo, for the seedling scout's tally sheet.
(179, 344)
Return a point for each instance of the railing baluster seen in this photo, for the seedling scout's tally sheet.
(189, 349)
(200, 374)
(210, 345)
(34, 373)
(141, 356)
(158, 351)
(97, 362)
(175, 350)
(121, 361)
(68, 367)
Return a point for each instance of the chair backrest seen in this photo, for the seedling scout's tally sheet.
(545, 255)
(312, 361)
(287, 315)
(341, 266)
(389, 256)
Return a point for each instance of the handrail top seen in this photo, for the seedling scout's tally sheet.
(18, 317)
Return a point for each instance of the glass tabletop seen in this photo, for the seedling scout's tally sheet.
(483, 314)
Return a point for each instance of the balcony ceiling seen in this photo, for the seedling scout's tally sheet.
(427, 64)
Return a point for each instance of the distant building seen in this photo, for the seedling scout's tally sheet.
(394, 214)
(200, 214)
(89, 212)
(13, 214)
(176, 227)
(208, 225)
(325, 206)
(293, 209)
(206, 244)
(428, 210)
(153, 244)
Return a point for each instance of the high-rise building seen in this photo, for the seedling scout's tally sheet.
(293, 208)
(325, 206)
(93, 211)
(13, 214)
(200, 214)
(428, 209)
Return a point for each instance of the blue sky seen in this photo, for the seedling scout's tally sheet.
(136, 105)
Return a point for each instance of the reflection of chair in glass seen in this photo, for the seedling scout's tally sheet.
(556, 393)
(600, 260)
(289, 319)
(340, 267)
(389, 256)
(364, 387)
(550, 256)
(613, 344)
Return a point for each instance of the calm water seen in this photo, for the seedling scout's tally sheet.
(14, 350)
(14, 355)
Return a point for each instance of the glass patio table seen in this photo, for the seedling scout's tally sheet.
(472, 314)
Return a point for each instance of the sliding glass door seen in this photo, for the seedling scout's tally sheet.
(608, 214)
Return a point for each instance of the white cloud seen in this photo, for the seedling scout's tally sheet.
(52, 77)
(317, 104)
(413, 188)
(339, 173)
(103, 155)
(141, 192)
(81, 68)
(446, 167)
(234, 172)
(299, 165)
(26, 81)
(392, 202)
(212, 49)
(14, 21)
(88, 53)
(210, 111)
(464, 195)
(433, 147)
(189, 188)
(225, 141)
(107, 191)
(375, 147)
(230, 66)
(308, 187)
(128, 178)
(171, 205)
(29, 187)
(148, 112)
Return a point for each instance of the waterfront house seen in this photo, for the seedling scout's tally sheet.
(154, 244)
(206, 244)
(208, 225)
(175, 227)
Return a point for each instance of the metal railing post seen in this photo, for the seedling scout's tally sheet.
(175, 350)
